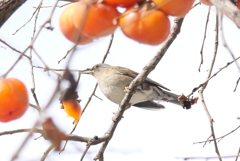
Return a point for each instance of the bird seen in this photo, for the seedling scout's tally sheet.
(113, 80)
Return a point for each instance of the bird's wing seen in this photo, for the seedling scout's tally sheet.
(133, 74)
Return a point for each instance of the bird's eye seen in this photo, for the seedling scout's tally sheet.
(95, 67)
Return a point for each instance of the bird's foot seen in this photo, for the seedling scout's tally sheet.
(127, 90)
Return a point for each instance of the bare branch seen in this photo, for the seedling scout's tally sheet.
(7, 8)
(238, 154)
(36, 107)
(219, 138)
(236, 85)
(206, 158)
(225, 43)
(13, 48)
(35, 130)
(45, 154)
(205, 85)
(201, 85)
(59, 6)
(58, 70)
(37, 10)
(229, 9)
(30, 60)
(85, 151)
(204, 37)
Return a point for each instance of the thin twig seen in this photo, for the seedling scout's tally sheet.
(59, 6)
(85, 151)
(237, 154)
(64, 57)
(219, 138)
(30, 60)
(35, 130)
(206, 81)
(14, 64)
(199, 3)
(37, 10)
(206, 141)
(36, 107)
(236, 85)
(45, 154)
(206, 158)
(13, 48)
(58, 70)
(225, 43)
(109, 47)
(204, 37)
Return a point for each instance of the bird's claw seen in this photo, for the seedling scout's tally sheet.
(127, 90)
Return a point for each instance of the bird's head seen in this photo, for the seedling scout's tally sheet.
(95, 70)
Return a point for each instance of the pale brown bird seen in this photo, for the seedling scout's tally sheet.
(113, 80)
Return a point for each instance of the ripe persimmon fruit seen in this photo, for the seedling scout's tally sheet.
(95, 20)
(177, 8)
(72, 108)
(206, 2)
(13, 99)
(148, 26)
(122, 3)
(68, 29)
(238, 4)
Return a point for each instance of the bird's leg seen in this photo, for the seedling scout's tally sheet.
(127, 107)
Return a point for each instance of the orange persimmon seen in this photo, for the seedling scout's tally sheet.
(13, 99)
(177, 8)
(68, 29)
(95, 20)
(206, 2)
(72, 108)
(145, 26)
(238, 4)
(122, 3)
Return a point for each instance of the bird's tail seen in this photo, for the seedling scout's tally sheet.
(168, 97)
(149, 105)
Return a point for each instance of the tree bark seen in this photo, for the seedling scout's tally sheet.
(7, 8)
(229, 9)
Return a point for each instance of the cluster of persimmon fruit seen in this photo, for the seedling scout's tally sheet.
(145, 21)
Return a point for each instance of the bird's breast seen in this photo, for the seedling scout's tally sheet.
(113, 88)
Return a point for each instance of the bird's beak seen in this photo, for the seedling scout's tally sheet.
(87, 71)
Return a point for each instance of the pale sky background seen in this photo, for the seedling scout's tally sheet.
(142, 135)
